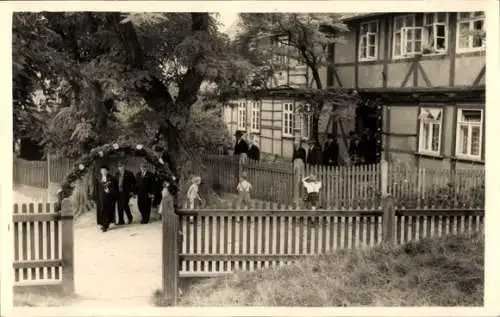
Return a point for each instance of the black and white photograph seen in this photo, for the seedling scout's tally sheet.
(279, 158)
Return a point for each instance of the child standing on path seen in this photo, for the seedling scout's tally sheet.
(243, 188)
(312, 186)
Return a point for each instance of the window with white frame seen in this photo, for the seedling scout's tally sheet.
(431, 120)
(368, 41)
(255, 122)
(435, 33)
(242, 115)
(469, 133)
(420, 34)
(306, 122)
(470, 31)
(288, 119)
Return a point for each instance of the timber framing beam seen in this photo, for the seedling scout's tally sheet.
(480, 76)
(387, 95)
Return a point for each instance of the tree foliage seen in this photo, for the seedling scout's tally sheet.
(108, 75)
(303, 37)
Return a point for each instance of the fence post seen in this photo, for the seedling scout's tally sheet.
(384, 178)
(388, 217)
(170, 246)
(68, 279)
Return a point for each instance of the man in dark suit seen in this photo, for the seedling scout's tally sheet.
(105, 192)
(241, 146)
(126, 187)
(145, 189)
(330, 151)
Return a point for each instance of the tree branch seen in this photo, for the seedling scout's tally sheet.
(155, 94)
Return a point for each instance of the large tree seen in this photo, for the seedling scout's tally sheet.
(94, 67)
(304, 37)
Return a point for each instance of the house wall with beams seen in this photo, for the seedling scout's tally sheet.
(274, 121)
(420, 54)
(273, 133)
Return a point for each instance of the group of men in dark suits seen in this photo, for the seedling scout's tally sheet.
(117, 190)
(246, 148)
(317, 155)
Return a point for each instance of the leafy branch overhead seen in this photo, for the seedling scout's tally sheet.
(92, 67)
(289, 41)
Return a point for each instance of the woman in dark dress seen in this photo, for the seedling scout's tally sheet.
(107, 189)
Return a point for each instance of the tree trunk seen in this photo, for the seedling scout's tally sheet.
(319, 104)
(156, 93)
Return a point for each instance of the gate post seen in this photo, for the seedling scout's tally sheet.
(170, 246)
(389, 215)
(68, 279)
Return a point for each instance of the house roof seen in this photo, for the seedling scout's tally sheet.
(233, 30)
(358, 15)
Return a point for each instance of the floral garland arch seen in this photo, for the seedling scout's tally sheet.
(82, 165)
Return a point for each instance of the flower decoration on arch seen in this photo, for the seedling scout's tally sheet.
(97, 154)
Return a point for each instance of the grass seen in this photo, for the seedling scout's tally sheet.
(41, 298)
(445, 271)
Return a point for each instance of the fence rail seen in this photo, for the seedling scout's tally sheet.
(211, 242)
(342, 186)
(43, 246)
(223, 241)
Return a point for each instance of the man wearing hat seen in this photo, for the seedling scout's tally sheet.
(145, 189)
(241, 147)
(106, 198)
(126, 187)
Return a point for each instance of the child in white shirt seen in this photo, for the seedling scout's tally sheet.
(192, 193)
(243, 189)
(312, 186)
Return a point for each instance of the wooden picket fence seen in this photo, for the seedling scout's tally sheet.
(351, 186)
(342, 186)
(53, 170)
(43, 246)
(211, 242)
(430, 187)
(31, 173)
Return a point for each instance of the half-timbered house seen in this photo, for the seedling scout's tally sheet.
(425, 73)
(427, 70)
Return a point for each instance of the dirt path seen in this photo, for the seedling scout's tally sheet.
(121, 267)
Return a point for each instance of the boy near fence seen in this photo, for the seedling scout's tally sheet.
(312, 186)
(243, 189)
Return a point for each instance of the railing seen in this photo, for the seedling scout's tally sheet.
(43, 246)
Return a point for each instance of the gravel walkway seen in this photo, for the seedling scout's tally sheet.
(121, 267)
